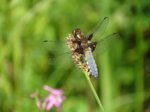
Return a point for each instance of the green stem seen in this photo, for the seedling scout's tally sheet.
(94, 92)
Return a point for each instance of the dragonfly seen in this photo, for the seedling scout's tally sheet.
(82, 47)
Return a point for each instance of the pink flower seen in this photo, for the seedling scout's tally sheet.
(55, 98)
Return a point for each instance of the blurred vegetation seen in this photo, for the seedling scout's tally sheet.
(124, 70)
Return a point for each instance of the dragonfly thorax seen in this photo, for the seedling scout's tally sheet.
(78, 42)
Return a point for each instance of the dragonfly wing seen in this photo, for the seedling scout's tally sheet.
(56, 51)
(58, 57)
(55, 46)
(100, 28)
(106, 42)
(91, 63)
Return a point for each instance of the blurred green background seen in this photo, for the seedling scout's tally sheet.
(124, 82)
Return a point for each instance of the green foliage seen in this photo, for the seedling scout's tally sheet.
(123, 84)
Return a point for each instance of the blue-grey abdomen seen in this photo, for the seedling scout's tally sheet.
(91, 62)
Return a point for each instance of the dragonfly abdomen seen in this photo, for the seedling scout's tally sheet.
(91, 63)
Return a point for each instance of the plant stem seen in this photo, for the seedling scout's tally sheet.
(94, 92)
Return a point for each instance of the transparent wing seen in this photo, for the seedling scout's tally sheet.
(54, 59)
(99, 29)
(106, 42)
(55, 46)
(56, 51)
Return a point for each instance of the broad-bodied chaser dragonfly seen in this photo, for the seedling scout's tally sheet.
(82, 46)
